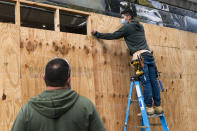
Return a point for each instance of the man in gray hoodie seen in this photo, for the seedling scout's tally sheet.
(133, 33)
(58, 108)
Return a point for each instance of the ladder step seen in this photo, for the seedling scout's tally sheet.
(145, 118)
(134, 100)
(155, 124)
(144, 127)
(155, 115)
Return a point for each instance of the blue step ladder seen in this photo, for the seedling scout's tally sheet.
(145, 118)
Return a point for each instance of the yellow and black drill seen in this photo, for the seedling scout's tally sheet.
(138, 65)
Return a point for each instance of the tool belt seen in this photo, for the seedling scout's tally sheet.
(138, 65)
(138, 53)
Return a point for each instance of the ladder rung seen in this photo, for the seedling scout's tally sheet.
(155, 124)
(134, 100)
(145, 118)
(155, 115)
(144, 127)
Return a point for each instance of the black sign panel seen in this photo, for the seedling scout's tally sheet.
(148, 11)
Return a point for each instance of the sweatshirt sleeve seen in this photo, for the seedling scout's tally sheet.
(110, 36)
(19, 123)
(96, 123)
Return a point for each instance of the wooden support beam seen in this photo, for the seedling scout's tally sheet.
(89, 25)
(57, 20)
(17, 13)
(52, 7)
(57, 11)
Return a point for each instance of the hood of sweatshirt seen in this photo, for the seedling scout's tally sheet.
(138, 26)
(54, 103)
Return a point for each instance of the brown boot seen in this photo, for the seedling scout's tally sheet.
(158, 109)
(149, 110)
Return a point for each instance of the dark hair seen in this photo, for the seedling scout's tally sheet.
(130, 11)
(57, 72)
(127, 12)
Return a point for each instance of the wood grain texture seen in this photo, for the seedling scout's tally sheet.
(10, 87)
(162, 36)
(111, 74)
(188, 41)
(41, 46)
(99, 70)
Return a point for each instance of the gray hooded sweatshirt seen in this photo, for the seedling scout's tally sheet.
(133, 34)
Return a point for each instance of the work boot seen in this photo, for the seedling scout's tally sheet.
(149, 110)
(158, 109)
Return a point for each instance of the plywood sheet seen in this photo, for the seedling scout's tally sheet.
(41, 46)
(81, 61)
(188, 41)
(99, 70)
(189, 101)
(112, 74)
(189, 62)
(168, 60)
(10, 89)
(162, 36)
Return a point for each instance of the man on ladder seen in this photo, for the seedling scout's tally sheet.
(135, 82)
(134, 35)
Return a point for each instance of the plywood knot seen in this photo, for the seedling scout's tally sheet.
(3, 97)
(104, 50)
(31, 47)
(6, 63)
(121, 53)
(40, 44)
(56, 48)
(54, 44)
(161, 57)
(73, 48)
(63, 50)
(180, 76)
(26, 66)
(86, 49)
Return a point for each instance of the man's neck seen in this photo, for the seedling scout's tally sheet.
(56, 88)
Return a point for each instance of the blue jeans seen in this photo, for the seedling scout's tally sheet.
(149, 82)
